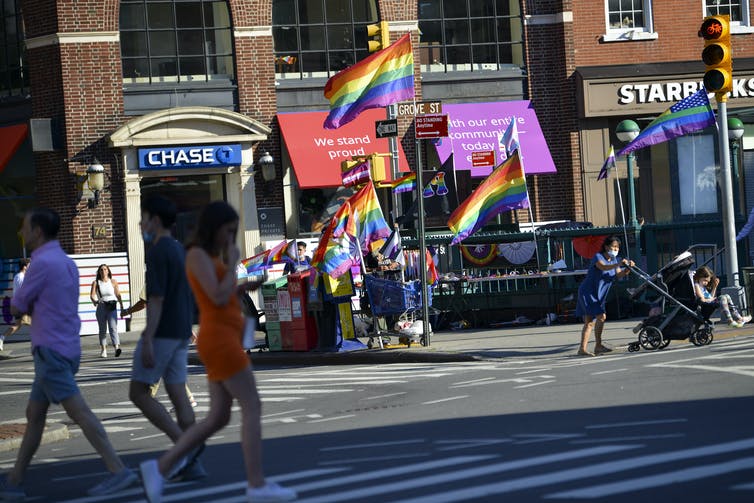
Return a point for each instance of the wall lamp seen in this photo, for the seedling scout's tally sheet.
(267, 163)
(95, 178)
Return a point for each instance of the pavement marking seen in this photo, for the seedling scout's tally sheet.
(533, 371)
(636, 438)
(445, 399)
(283, 413)
(394, 457)
(383, 396)
(536, 438)
(336, 418)
(473, 381)
(749, 486)
(342, 380)
(157, 435)
(636, 423)
(663, 479)
(608, 372)
(583, 472)
(470, 443)
(457, 474)
(289, 391)
(534, 384)
(376, 444)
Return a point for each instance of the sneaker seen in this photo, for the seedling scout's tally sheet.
(185, 463)
(735, 324)
(1, 345)
(103, 353)
(194, 471)
(584, 353)
(117, 352)
(745, 320)
(151, 480)
(9, 492)
(114, 482)
(269, 492)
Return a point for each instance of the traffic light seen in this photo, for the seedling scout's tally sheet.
(381, 36)
(718, 76)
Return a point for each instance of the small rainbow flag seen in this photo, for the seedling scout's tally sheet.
(384, 78)
(335, 256)
(364, 209)
(503, 190)
(405, 184)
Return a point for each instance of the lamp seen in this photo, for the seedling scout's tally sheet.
(267, 163)
(735, 132)
(627, 131)
(95, 177)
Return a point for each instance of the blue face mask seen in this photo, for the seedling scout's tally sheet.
(148, 236)
(612, 253)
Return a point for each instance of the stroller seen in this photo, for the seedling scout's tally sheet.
(394, 298)
(687, 319)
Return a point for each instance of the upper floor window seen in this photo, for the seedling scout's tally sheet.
(175, 41)
(317, 38)
(14, 81)
(468, 35)
(739, 13)
(628, 20)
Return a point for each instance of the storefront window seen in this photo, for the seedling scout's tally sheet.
(697, 180)
(17, 196)
(175, 41)
(317, 38)
(469, 35)
(14, 80)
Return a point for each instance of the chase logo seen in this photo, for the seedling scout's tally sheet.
(190, 157)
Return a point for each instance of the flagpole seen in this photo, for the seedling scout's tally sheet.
(531, 214)
(622, 214)
(422, 238)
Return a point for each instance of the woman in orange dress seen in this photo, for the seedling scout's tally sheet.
(211, 268)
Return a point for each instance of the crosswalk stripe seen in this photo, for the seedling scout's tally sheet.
(465, 474)
(665, 478)
(583, 472)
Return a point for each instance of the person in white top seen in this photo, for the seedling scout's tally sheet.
(105, 296)
(25, 319)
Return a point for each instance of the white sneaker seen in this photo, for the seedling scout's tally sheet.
(269, 492)
(735, 324)
(152, 480)
(746, 320)
(1, 345)
(103, 353)
(114, 483)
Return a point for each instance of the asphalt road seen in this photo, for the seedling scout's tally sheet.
(647, 426)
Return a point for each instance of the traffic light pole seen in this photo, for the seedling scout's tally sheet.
(422, 243)
(726, 188)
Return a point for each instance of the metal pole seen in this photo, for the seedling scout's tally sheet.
(726, 188)
(422, 242)
(630, 158)
(392, 113)
(734, 165)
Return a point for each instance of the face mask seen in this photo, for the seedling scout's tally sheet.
(612, 253)
(148, 236)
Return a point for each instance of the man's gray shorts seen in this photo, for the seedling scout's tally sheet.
(54, 376)
(170, 360)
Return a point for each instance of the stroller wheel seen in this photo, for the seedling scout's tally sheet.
(665, 343)
(650, 338)
(702, 336)
(633, 347)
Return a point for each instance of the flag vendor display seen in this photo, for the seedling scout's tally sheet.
(503, 190)
(384, 78)
(691, 114)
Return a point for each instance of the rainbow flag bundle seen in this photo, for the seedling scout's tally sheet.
(384, 78)
(277, 254)
(368, 222)
(405, 184)
(334, 255)
(503, 190)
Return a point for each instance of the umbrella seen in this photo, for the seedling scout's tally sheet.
(517, 253)
(588, 246)
(479, 254)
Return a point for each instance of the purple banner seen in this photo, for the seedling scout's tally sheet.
(475, 127)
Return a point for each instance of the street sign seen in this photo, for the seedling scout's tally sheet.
(386, 128)
(431, 126)
(420, 108)
(483, 158)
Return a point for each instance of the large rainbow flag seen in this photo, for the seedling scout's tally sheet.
(503, 190)
(335, 256)
(384, 78)
(363, 209)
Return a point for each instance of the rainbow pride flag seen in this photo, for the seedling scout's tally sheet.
(384, 78)
(334, 255)
(275, 255)
(368, 221)
(503, 190)
(405, 184)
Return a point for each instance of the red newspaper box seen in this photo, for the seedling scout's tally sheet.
(299, 332)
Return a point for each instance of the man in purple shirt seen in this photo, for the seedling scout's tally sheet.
(50, 293)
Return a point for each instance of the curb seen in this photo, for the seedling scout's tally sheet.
(53, 433)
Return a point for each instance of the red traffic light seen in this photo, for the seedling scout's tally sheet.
(712, 29)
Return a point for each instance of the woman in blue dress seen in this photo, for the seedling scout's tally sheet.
(605, 268)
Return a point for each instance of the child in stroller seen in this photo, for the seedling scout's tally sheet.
(705, 286)
(674, 284)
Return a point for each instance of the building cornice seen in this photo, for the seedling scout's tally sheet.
(540, 19)
(252, 31)
(77, 37)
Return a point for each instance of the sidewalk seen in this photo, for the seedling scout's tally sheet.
(530, 342)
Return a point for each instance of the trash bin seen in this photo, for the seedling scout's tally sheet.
(272, 320)
(300, 332)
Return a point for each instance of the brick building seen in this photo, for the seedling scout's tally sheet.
(185, 97)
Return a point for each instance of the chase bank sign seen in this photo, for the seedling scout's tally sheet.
(200, 156)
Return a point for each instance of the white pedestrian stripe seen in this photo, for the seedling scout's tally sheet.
(636, 423)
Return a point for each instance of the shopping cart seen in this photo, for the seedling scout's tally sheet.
(394, 298)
